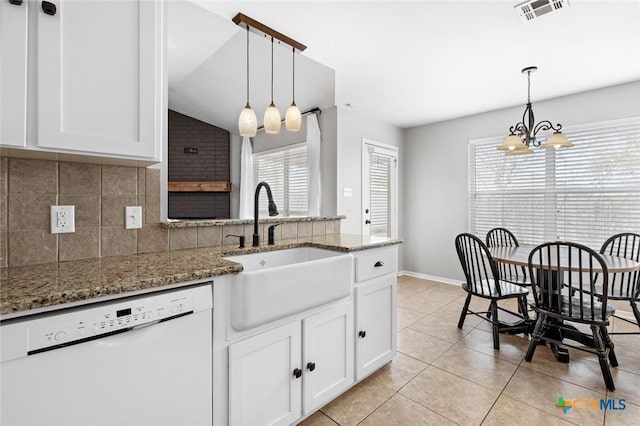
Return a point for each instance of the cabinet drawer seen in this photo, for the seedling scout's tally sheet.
(376, 262)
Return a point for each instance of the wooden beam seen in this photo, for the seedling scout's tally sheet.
(244, 20)
(199, 186)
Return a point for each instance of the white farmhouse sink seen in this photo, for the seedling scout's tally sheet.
(279, 283)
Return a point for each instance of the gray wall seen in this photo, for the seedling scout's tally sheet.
(435, 169)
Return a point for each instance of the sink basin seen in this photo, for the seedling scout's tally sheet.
(280, 283)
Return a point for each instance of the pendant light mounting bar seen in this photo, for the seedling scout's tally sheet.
(261, 29)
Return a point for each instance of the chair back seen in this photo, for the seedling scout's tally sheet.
(479, 268)
(564, 275)
(502, 237)
(625, 285)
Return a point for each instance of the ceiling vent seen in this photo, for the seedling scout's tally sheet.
(533, 9)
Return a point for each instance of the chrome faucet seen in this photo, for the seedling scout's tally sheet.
(273, 211)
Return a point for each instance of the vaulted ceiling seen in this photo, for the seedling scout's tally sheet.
(404, 63)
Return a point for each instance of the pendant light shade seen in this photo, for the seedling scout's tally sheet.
(511, 143)
(247, 122)
(293, 117)
(272, 120)
(272, 115)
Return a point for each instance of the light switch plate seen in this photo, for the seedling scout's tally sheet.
(63, 219)
(133, 217)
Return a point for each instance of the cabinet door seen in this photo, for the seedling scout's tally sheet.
(375, 324)
(328, 356)
(263, 389)
(99, 77)
(13, 73)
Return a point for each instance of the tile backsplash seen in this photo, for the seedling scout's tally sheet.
(28, 188)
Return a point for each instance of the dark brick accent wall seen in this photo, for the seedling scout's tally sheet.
(210, 163)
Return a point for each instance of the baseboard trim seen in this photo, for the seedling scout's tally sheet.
(430, 277)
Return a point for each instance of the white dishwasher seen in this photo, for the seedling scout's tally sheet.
(144, 360)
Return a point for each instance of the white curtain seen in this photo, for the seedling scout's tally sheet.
(313, 164)
(246, 180)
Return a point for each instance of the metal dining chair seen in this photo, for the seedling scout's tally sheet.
(483, 280)
(502, 237)
(625, 285)
(564, 275)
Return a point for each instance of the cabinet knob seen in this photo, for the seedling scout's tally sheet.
(16, 2)
(379, 264)
(362, 334)
(49, 8)
(311, 366)
(297, 373)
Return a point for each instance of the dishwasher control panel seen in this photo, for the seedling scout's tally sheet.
(106, 319)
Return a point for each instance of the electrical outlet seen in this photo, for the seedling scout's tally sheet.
(63, 219)
(133, 217)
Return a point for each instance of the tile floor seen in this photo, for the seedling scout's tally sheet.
(446, 376)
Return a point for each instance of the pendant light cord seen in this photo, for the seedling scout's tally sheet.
(247, 65)
(271, 70)
(293, 55)
(529, 86)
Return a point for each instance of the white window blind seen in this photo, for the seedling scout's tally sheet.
(380, 202)
(285, 170)
(583, 194)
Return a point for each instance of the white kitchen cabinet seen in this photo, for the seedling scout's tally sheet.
(375, 309)
(96, 78)
(13, 73)
(328, 356)
(306, 362)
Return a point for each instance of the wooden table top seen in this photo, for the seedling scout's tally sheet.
(520, 256)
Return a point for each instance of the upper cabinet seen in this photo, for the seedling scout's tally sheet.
(13, 73)
(97, 78)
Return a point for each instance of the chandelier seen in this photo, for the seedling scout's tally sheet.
(523, 135)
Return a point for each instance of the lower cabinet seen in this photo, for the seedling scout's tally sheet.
(375, 324)
(283, 374)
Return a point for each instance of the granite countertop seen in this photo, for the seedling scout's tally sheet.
(190, 223)
(39, 288)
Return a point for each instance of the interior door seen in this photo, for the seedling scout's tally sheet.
(379, 190)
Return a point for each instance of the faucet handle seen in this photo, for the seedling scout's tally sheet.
(240, 237)
(271, 233)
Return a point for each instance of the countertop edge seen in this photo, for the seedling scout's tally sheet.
(193, 223)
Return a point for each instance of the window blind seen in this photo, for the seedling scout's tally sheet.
(285, 170)
(380, 203)
(583, 194)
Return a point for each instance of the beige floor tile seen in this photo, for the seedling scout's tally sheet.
(542, 392)
(627, 386)
(627, 350)
(427, 301)
(421, 346)
(357, 403)
(451, 312)
(508, 412)
(402, 411)
(482, 369)
(442, 392)
(406, 317)
(512, 347)
(408, 287)
(398, 372)
(619, 325)
(441, 328)
(318, 419)
(626, 417)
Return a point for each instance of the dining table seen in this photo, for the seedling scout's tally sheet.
(519, 256)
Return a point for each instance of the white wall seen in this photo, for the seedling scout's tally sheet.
(435, 169)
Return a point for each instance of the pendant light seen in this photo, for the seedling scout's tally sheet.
(293, 118)
(248, 122)
(272, 115)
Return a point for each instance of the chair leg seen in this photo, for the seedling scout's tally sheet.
(495, 324)
(522, 306)
(535, 337)
(602, 357)
(608, 343)
(463, 314)
(635, 310)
